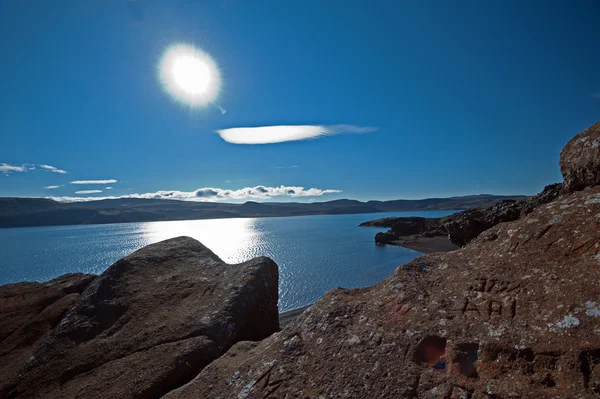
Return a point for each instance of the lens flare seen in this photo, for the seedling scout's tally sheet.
(189, 75)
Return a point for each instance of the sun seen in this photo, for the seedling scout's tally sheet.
(189, 75)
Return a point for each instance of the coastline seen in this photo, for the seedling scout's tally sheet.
(286, 317)
(425, 245)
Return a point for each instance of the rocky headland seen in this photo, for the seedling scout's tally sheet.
(452, 232)
(513, 313)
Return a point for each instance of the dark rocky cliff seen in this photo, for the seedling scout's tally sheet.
(462, 227)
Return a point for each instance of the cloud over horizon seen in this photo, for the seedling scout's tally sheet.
(210, 194)
(6, 168)
(51, 187)
(53, 169)
(88, 192)
(108, 181)
(283, 133)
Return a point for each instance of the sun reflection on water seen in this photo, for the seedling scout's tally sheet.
(233, 240)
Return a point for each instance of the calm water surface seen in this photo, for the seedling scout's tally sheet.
(314, 253)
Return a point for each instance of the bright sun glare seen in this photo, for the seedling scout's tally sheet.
(189, 75)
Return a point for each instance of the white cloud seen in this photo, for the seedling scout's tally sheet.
(108, 181)
(6, 168)
(108, 188)
(283, 133)
(210, 194)
(51, 187)
(287, 167)
(53, 169)
(88, 192)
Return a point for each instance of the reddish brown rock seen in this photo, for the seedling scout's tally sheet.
(580, 160)
(465, 226)
(28, 311)
(514, 314)
(150, 323)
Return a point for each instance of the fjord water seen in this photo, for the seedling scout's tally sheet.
(314, 253)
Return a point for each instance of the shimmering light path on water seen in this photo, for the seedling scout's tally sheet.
(314, 253)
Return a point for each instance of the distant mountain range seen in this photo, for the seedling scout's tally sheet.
(24, 212)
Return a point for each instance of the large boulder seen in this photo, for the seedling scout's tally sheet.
(514, 314)
(150, 323)
(28, 311)
(465, 226)
(580, 160)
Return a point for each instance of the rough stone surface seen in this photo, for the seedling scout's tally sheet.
(28, 311)
(461, 227)
(150, 323)
(514, 314)
(548, 194)
(465, 226)
(580, 160)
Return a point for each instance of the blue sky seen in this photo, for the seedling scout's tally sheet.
(466, 97)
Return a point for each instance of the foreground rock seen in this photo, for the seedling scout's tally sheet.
(150, 323)
(28, 311)
(580, 160)
(515, 314)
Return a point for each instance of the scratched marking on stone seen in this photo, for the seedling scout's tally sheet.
(590, 369)
(543, 232)
(581, 246)
(210, 289)
(493, 286)
(269, 387)
(491, 308)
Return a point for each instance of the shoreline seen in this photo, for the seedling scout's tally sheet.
(222, 217)
(286, 317)
(425, 245)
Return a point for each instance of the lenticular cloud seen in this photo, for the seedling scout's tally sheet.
(283, 133)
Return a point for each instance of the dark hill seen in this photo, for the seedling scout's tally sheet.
(23, 212)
